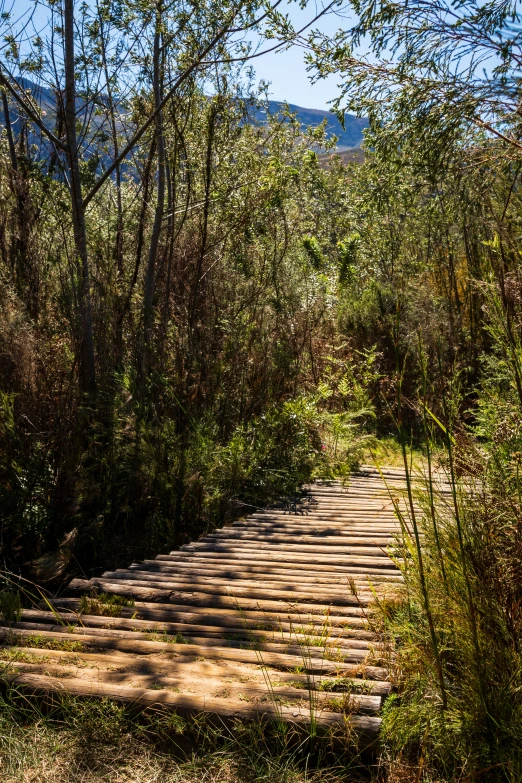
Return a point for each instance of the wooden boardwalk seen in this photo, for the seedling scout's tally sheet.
(268, 616)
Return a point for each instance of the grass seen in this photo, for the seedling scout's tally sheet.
(312, 635)
(163, 636)
(455, 627)
(343, 703)
(387, 451)
(20, 656)
(104, 604)
(91, 741)
(345, 685)
(44, 642)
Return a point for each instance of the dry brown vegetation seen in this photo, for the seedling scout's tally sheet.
(199, 325)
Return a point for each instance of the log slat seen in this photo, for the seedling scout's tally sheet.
(284, 596)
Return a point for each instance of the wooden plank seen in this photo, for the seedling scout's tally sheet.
(360, 554)
(274, 572)
(353, 521)
(145, 647)
(313, 519)
(238, 603)
(191, 559)
(377, 514)
(288, 635)
(300, 526)
(280, 581)
(291, 554)
(339, 650)
(281, 616)
(366, 726)
(242, 589)
(291, 591)
(325, 542)
(178, 671)
(364, 704)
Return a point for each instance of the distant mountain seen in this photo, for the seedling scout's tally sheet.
(347, 156)
(349, 136)
(43, 96)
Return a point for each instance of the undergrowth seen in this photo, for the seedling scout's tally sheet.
(104, 604)
(455, 626)
(43, 642)
(102, 742)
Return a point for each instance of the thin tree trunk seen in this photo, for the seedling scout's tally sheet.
(169, 244)
(118, 245)
(9, 131)
(141, 232)
(206, 209)
(86, 364)
(24, 269)
(118, 249)
(150, 276)
(15, 217)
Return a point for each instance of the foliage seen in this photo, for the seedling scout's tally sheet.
(435, 286)
(219, 401)
(104, 604)
(261, 314)
(474, 598)
(440, 71)
(10, 606)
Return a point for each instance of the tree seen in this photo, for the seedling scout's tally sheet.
(440, 68)
(99, 87)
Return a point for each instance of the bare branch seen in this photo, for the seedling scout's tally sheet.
(31, 113)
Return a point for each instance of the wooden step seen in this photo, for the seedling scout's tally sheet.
(367, 727)
(279, 616)
(259, 619)
(285, 635)
(37, 636)
(275, 572)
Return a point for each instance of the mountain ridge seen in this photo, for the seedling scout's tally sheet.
(348, 137)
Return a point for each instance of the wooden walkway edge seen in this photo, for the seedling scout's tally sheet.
(267, 617)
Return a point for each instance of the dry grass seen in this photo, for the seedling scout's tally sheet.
(104, 605)
(43, 642)
(75, 740)
(40, 753)
(387, 451)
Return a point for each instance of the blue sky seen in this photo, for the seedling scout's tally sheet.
(285, 70)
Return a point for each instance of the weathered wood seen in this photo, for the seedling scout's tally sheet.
(145, 647)
(377, 559)
(204, 558)
(275, 572)
(239, 587)
(228, 672)
(263, 600)
(191, 705)
(371, 516)
(300, 525)
(364, 704)
(281, 616)
(286, 636)
(237, 601)
(320, 538)
(357, 651)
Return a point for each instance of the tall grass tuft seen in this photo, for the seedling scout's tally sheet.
(456, 623)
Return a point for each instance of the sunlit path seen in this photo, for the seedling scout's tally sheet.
(269, 616)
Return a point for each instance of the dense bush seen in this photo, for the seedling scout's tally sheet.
(240, 398)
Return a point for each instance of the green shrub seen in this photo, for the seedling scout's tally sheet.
(10, 606)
